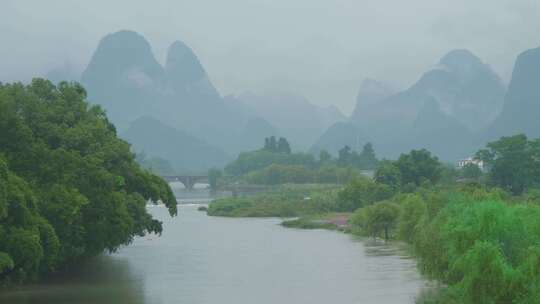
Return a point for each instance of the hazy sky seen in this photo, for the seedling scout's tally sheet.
(321, 49)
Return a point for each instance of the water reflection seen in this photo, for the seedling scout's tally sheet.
(104, 279)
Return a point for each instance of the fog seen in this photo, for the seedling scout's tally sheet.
(321, 49)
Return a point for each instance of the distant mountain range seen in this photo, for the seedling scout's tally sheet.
(452, 110)
(125, 78)
(445, 111)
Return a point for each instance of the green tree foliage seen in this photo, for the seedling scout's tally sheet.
(486, 250)
(324, 157)
(410, 171)
(283, 201)
(362, 192)
(450, 174)
(365, 160)
(256, 160)
(418, 167)
(69, 188)
(345, 156)
(471, 171)
(514, 163)
(388, 173)
(413, 208)
(276, 174)
(283, 146)
(6, 262)
(532, 196)
(275, 164)
(333, 174)
(281, 174)
(213, 178)
(478, 241)
(270, 144)
(377, 220)
(277, 146)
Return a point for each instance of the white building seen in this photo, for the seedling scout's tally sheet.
(463, 162)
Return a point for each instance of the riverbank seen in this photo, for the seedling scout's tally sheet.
(454, 232)
(331, 221)
(286, 201)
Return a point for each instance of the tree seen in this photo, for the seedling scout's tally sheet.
(513, 162)
(331, 173)
(69, 187)
(362, 192)
(260, 159)
(270, 144)
(367, 159)
(449, 174)
(283, 146)
(486, 251)
(213, 178)
(471, 171)
(388, 173)
(324, 157)
(487, 275)
(418, 167)
(378, 219)
(413, 209)
(345, 155)
(276, 174)
(277, 146)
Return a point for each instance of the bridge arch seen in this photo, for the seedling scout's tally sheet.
(188, 181)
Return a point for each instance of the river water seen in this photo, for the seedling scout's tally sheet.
(208, 260)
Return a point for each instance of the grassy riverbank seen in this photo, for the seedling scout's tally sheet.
(313, 206)
(282, 201)
(457, 234)
(331, 221)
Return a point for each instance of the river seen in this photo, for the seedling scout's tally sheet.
(208, 260)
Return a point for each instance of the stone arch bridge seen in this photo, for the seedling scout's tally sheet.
(188, 181)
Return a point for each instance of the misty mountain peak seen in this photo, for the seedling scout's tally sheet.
(465, 87)
(185, 72)
(123, 52)
(456, 58)
(522, 102)
(371, 92)
(525, 77)
(123, 76)
(124, 37)
(465, 65)
(182, 64)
